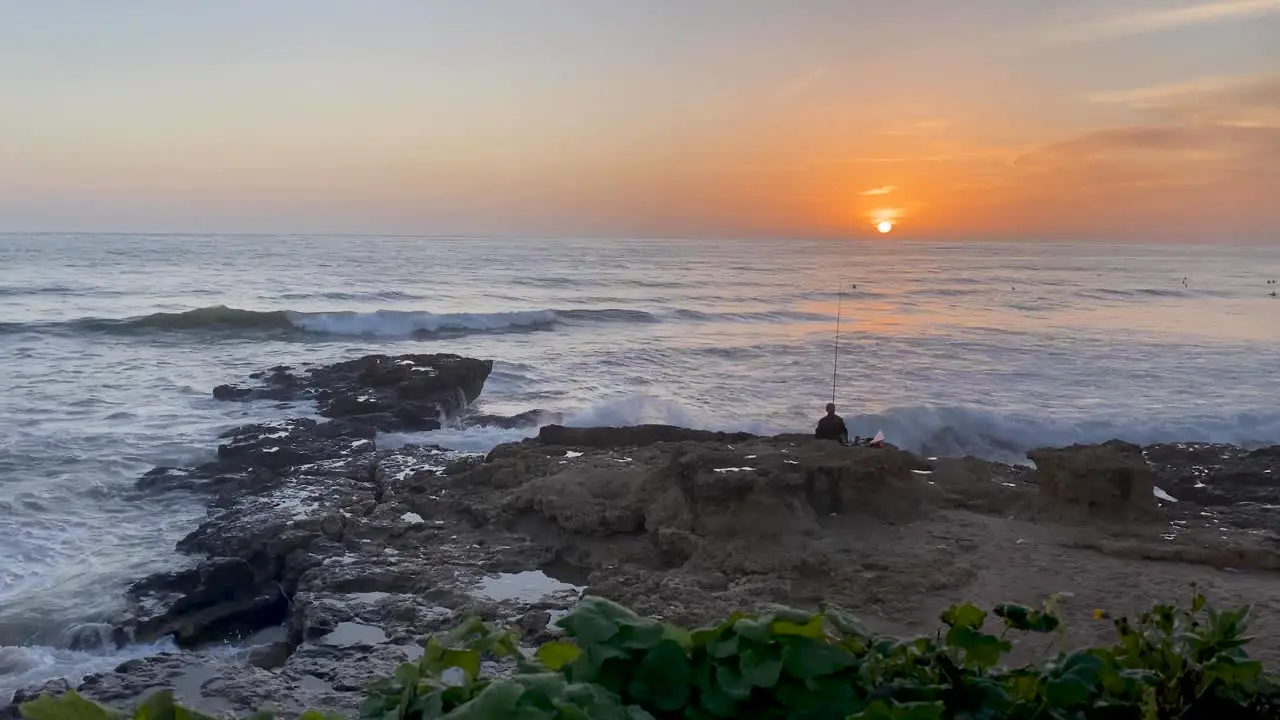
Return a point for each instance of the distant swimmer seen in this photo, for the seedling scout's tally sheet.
(831, 427)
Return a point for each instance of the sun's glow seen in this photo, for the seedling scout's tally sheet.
(884, 226)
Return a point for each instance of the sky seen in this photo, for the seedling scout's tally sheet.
(1125, 120)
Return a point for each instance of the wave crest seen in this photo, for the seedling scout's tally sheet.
(927, 431)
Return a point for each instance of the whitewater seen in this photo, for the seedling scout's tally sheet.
(110, 345)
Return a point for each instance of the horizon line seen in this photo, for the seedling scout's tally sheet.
(870, 238)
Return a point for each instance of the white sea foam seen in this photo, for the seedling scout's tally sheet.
(928, 431)
(403, 323)
(718, 336)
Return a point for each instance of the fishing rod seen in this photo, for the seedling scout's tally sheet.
(835, 360)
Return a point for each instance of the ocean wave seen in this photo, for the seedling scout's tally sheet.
(946, 431)
(407, 323)
(394, 323)
(372, 295)
(376, 323)
(771, 316)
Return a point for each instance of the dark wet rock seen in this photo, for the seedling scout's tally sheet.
(352, 554)
(269, 656)
(350, 668)
(219, 599)
(389, 393)
(1113, 477)
(53, 688)
(87, 637)
(1217, 475)
(215, 687)
(526, 419)
(634, 436)
(289, 444)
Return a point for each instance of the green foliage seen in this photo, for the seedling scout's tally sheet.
(1169, 662)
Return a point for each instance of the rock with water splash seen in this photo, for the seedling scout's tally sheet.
(352, 554)
(526, 419)
(390, 393)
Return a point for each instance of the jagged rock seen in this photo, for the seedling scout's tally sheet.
(53, 688)
(634, 436)
(1217, 475)
(528, 418)
(1111, 477)
(269, 656)
(280, 446)
(357, 553)
(388, 393)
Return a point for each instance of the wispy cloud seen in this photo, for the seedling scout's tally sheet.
(1167, 19)
(1205, 128)
(919, 128)
(1228, 101)
(804, 82)
(883, 190)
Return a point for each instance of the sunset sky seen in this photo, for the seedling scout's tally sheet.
(1032, 119)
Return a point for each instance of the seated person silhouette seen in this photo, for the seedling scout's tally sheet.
(831, 427)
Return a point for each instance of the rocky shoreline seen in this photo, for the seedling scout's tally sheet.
(325, 559)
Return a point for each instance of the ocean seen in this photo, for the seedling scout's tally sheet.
(110, 345)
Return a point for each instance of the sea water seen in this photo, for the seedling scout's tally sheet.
(110, 344)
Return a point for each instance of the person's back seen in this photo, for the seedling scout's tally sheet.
(831, 427)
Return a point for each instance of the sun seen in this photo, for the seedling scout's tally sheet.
(884, 226)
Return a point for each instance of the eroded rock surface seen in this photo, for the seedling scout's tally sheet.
(404, 392)
(326, 559)
(1113, 477)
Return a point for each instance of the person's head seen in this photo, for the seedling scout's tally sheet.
(831, 408)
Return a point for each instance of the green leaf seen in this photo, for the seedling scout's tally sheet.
(753, 629)
(596, 620)
(811, 628)
(545, 685)
(1232, 671)
(158, 706)
(1021, 617)
(845, 622)
(727, 646)
(590, 663)
(496, 701)
(718, 703)
(805, 658)
(893, 710)
(641, 635)
(980, 649)
(732, 682)
(663, 677)
(69, 706)
(1072, 684)
(1017, 617)
(595, 701)
(557, 653)
(468, 660)
(967, 615)
(761, 667)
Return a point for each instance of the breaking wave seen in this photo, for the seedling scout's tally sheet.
(392, 323)
(946, 431)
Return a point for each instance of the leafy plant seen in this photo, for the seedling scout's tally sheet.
(1169, 662)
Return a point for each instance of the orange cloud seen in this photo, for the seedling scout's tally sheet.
(1158, 20)
(882, 190)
